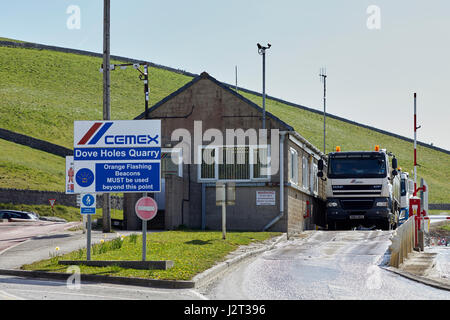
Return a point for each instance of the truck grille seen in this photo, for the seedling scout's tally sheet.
(356, 204)
(357, 187)
(360, 190)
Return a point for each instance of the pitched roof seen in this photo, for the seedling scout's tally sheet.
(205, 75)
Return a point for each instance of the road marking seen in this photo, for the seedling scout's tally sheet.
(87, 285)
(73, 294)
(198, 294)
(8, 296)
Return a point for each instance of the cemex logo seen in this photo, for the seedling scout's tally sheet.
(98, 130)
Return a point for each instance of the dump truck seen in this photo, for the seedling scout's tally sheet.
(362, 189)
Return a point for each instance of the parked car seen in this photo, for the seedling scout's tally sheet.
(15, 214)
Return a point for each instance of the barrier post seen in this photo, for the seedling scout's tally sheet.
(414, 208)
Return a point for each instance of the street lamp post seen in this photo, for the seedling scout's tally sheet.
(262, 51)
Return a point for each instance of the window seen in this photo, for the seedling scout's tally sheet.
(234, 163)
(208, 163)
(171, 162)
(261, 162)
(314, 179)
(293, 166)
(305, 172)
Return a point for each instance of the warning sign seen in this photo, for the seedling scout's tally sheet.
(52, 202)
(265, 198)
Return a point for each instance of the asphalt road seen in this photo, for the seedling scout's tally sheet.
(13, 233)
(15, 288)
(326, 265)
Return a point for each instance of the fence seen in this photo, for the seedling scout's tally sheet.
(402, 243)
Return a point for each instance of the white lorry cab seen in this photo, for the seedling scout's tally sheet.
(362, 189)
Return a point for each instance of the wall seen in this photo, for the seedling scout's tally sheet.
(36, 197)
(245, 214)
(174, 201)
(297, 196)
(35, 143)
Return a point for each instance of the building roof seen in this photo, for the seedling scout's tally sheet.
(205, 75)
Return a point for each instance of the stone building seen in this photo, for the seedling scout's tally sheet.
(264, 200)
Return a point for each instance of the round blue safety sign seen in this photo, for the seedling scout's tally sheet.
(88, 200)
(84, 177)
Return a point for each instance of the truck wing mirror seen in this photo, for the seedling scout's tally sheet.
(320, 174)
(394, 173)
(394, 163)
(320, 165)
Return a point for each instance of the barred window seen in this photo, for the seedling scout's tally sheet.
(261, 163)
(234, 163)
(208, 166)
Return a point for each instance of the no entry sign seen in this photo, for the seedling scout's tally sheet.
(146, 208)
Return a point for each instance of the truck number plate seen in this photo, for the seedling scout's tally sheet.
(357, 217)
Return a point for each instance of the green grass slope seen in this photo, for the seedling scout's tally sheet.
(42, 92)
(22, 167)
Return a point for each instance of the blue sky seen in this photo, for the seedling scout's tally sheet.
(372, 73)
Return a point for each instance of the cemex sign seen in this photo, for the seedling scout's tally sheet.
(117, 156)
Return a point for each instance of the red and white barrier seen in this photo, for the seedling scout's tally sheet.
(437, 217)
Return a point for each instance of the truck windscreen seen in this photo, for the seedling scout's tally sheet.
(357, 166)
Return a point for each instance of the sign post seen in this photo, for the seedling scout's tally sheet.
(146, 209)
(87, 207)
(225, 195)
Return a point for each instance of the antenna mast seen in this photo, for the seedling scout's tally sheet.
(323, 79)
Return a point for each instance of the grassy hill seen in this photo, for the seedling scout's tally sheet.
(42, 92)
